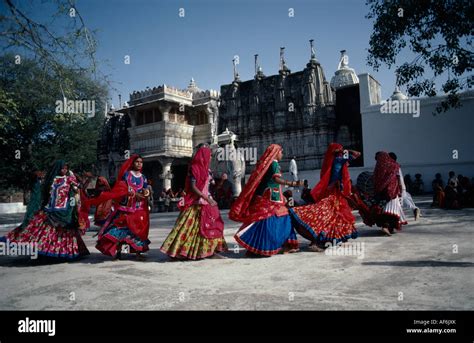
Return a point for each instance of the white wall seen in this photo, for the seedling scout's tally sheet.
(423, 144)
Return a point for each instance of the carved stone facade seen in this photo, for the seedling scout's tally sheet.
(113, 143)
(295, 110)
(164, 124)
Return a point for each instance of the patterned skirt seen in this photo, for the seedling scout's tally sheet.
(267, 237)
(392, 215)
(329, 220)
(186, 241)
(50, 241)
(115, 235)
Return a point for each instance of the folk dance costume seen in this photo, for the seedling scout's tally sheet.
(385, 206)
(104, 209)
(199, 230)
(57, 225)
(267, 226)
(129, 222)
(330, 218)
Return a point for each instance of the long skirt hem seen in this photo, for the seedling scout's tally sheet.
(185, 239)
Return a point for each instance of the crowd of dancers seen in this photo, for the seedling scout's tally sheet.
(58, 213)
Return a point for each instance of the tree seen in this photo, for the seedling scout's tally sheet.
(48, 56)
(33, 133)
(439, 33)
(64, 40)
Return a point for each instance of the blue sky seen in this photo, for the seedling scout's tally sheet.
(165, 48)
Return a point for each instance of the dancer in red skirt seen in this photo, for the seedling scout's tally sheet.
(56, 224)
(129, 222)
(329, 219)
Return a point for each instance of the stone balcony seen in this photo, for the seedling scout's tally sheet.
(161, 139)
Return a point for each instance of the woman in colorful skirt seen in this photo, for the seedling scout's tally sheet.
(128, 223)
(329, 220)
(56, 228)
(386, 206)
(267, 227)
(104, 209)
(199, 230)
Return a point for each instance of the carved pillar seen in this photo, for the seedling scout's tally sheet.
(165, 110)
(166, 175)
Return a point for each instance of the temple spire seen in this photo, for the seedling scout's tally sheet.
(282, 57)
(256, 63)
(313, 52)
(258, 69)
(283, 68)
(236, 74)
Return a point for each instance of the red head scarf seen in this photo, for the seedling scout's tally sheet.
(199, 169)
(126, 166)
(320, 191)
(240, 208)
(120, 188)
(102, 182)
(386, 175)
(137, 222)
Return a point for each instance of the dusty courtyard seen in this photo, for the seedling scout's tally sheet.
(428, 266)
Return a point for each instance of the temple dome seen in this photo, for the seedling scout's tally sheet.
(344, 76)
(398, 95)
(193, 88)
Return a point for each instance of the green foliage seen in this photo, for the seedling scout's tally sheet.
(30, 125)
(439, 33)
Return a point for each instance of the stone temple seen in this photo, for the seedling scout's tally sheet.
(162, 124)
(297, 110)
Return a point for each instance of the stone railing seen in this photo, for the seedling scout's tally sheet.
(162, 139)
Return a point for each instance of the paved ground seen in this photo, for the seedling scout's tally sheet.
(428, 266)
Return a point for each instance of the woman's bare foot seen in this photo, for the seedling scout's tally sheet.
(315, 248)
(386, 231)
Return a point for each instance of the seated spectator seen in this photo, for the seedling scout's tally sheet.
(453, 178)
(306, 193)
(163, 193)
(451, 197)
(438, 181)
(408, 183)
(459, 187)
(438, 191)
(466, 192)
(288, 194)
(418, 185)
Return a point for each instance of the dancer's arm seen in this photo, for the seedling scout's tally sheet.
(209, 200)
(283, 182)
(355, 154)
